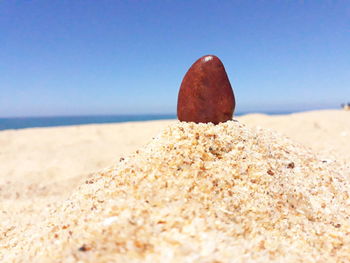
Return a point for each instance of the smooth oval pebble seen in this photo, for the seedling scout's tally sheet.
(206, 94)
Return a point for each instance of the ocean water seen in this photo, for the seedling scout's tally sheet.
(30, 122)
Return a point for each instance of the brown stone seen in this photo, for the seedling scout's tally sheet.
(205, 94)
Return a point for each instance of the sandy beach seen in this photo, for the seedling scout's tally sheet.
(58, 184)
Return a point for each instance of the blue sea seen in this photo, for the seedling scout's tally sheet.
(30, 122)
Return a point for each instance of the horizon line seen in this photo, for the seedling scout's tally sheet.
(271, 111)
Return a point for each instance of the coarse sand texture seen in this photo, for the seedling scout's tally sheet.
(200, 193)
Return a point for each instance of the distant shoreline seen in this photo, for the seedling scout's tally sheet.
(59, 121)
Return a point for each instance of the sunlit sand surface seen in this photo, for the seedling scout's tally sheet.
(263, 188)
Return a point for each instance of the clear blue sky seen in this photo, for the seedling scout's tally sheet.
(75, 57)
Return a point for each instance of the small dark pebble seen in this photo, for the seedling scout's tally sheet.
(121, 159)
(291, 165)
(84, 248)
(338, 225)
(270, 172)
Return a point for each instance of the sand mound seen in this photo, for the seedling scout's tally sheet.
(199, 193)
